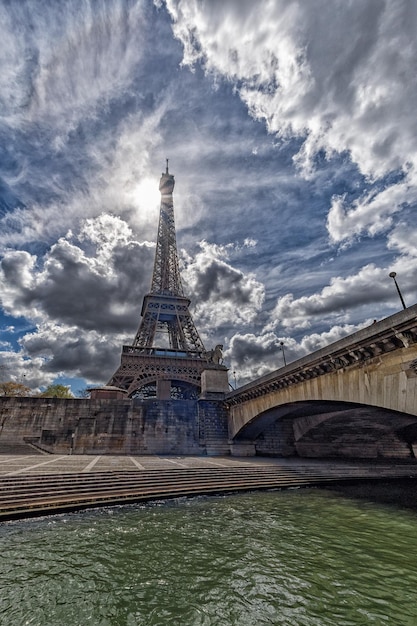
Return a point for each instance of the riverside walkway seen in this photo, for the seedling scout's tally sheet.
(35, 484)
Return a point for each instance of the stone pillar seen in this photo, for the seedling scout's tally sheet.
(214, 383)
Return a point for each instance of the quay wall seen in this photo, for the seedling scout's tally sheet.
(104, 426)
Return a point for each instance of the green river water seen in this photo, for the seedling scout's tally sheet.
(299, 557)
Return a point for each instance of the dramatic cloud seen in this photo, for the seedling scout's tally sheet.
(223, 295)
(340, 76)
(95, 287)
(21, 368)
(72, 61)
(77, 127)
(290, 129)
(404, 239)
(61, 349)
(250, 355)
(83, 297)
(372, 213)
(371, 285)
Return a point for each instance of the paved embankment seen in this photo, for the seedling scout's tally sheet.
(33, 485)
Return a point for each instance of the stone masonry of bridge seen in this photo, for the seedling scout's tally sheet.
(337, 401)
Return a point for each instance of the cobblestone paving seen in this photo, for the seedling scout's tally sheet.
(44, 464)
(13, 465)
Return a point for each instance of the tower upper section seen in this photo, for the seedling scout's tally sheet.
(166, 279)
(166, 318)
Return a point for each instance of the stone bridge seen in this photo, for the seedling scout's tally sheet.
(354, 398)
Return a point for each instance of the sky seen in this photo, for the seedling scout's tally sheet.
(291, 130)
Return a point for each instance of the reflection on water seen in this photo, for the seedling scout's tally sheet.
(302, 557)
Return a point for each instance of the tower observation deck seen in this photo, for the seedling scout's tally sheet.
(167, 356)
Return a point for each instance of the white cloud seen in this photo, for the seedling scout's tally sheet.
(74, 58)
(338, 300)
(19, 368)
(118, 179)
(281, 73)
(404, 239)
(250, 356)
(372, 213)
(222, 294)
(72, 151)
(340, 76)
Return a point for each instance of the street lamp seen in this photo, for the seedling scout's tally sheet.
(393, 275)
(281, 343)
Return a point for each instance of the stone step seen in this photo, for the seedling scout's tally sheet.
(35, 495)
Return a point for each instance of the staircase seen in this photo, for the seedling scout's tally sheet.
(28, 496)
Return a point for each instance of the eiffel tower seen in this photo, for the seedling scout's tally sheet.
(167, 357)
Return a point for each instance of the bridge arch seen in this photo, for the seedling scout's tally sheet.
(370, 374)
(331, 429)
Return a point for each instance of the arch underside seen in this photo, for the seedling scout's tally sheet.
(179, 390)
(137, 373)
(332, 428)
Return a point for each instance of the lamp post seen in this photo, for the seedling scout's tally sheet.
(281, 343)
(393, 275)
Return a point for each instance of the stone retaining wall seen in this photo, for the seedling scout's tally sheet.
(83, 426)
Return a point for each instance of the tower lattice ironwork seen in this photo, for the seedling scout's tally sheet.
(167, 356)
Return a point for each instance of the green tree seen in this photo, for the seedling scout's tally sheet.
(9, 388)
(56, 391)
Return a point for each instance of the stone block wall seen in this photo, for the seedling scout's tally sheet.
(105, 426)
(214, 427)
(277, 439)
(388, 446)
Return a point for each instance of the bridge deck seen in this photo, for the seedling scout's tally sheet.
(33, 485)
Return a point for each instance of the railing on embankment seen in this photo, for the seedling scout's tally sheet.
(29, 496)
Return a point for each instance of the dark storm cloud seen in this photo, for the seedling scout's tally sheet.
(221, 282)
(98, 291)
(73, 352)
(223, 296)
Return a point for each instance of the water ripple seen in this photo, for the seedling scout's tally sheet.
(300, 558)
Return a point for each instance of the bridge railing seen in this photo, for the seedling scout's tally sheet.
(394, 332)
